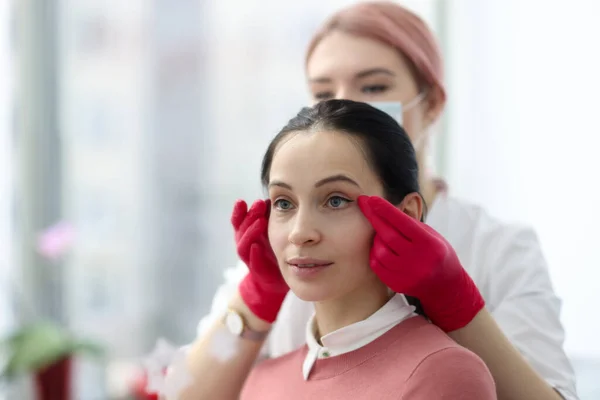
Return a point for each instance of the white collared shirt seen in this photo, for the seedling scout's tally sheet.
(357, 335)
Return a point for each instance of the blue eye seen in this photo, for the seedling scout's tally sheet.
(337, 201)
(282, 205)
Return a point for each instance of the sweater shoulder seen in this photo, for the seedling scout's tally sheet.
(423, 337)
(418, 340)
(285, 362)
(459, 373)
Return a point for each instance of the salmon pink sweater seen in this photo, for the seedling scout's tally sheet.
(414, 360)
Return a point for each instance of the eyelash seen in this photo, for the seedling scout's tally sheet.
(276, 203)
(369, 89)
(323, 95)
(374, 88)
(345, 200)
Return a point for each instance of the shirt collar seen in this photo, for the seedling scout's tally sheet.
(357, 335)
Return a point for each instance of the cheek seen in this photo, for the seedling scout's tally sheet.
(354, 237)
(278, 237)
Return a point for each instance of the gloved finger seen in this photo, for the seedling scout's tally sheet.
(435, 235)
(385, 275)
(388, 232)
(365, 207)
(379, 220)
(265, 243)
(252, 235)
(240, 209)
(388, 257)
(270, 256)
(390, 235)
(256, 257)
(265, 259)
(410, 227)
(257, 210)
(258, 230)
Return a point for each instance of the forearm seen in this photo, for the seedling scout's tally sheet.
(515, 379)
(218, 378)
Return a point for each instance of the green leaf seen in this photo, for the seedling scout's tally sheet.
(87, 348)
(39, 345)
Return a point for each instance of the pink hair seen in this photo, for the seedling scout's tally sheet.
(395, 26)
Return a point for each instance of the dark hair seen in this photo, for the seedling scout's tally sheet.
(388, 149)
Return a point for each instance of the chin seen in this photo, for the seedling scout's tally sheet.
(310, 292)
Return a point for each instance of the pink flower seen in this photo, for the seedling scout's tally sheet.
(56, 240)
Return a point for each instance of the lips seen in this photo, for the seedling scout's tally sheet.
(305, 262)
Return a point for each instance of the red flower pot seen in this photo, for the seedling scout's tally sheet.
(54, 381)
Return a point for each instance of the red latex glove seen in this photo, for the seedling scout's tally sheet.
(263, 289)
(411, 258)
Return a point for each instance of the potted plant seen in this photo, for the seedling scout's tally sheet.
(45, 350)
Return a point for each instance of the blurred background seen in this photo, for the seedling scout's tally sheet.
(128, 129)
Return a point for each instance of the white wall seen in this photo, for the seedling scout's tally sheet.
(6, 112)
(524, 135)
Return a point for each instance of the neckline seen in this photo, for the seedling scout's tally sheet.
(326, 368)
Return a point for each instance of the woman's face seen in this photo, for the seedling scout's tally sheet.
(344, 66)
(317, 231)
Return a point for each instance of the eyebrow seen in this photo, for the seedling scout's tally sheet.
(362, 74)
(322, 182)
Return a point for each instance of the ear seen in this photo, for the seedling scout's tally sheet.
(412, 205)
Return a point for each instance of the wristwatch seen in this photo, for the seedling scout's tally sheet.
(236, 324)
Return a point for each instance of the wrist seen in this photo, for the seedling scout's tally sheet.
(252, 321)
(263, 304)
(453, 305)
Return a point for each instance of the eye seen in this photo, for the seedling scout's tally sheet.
(282, 205)
(337, 202)
(323, 96)
(374, 89)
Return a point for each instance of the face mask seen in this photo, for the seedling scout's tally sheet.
(395, 109)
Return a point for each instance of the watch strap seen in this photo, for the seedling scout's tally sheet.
(250, 334)
(247, 332)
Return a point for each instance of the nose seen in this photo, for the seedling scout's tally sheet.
(346, 93)
(305, 230)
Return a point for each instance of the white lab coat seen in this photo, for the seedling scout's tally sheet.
(506, 263)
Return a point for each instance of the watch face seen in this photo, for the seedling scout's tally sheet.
(234, 323)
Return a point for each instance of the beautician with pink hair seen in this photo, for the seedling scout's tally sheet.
(498, 301)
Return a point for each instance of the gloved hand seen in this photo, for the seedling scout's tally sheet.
(411, 258)
(263, 288)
